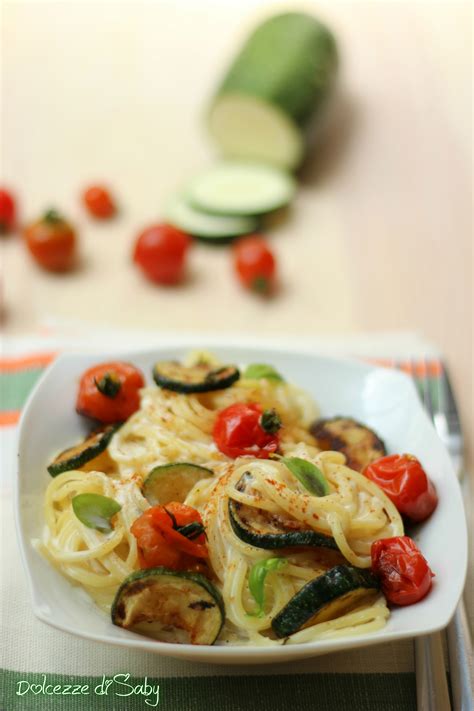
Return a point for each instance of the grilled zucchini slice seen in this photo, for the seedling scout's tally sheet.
(356, 441)
(86, 452)
(170, 606)
(263, 529)
(199, 378)
(326, 597)
(173, 482)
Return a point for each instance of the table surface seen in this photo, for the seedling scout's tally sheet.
(379, 236)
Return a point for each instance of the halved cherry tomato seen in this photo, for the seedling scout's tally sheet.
(238, 431)
(405, 482)
(255, 264)
(404, 574)
(98, 201)
(7, 212)
(160, 252)
(160, 541)
(109, 392)
(52, 242)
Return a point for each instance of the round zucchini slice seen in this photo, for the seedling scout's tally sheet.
(356, 441)
(326, 597)
(241, 188)
(173, 482)
(199, 378)
(84, 452)
(170, 606)
(212, 229)
(262, 529)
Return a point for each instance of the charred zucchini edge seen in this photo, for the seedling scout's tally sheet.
(317, 594)
(273, 541)
(216, 378)
(86, 452)
(195, 578)
(329, 439)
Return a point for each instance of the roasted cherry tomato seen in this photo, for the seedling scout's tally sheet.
(405, 482)
(246, 429)
(166, 535)
(404, 574)
(160, 252)
(109, 392)
(52, 242)
(98, 201)
(7, 212)
(255, 264)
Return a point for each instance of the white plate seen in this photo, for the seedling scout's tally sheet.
(381, 398)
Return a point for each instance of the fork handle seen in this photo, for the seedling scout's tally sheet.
(460, 660)
(432, 693)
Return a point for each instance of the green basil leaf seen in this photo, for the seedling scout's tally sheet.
(256, 371)
(95, 511)
(258, 573)
(308, 474)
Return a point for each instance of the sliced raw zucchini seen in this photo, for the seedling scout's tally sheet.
(274, 89)
(326, 597)
(170, 606)
(263, 529)
(213, 229)
(199, 378)
(233, 188)
(172, 482)
(84, 452)
(356, 441)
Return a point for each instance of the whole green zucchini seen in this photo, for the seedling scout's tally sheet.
(273, 90)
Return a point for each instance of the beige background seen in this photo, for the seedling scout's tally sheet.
(380, 235)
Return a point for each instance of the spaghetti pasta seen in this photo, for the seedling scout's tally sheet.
(176, 427)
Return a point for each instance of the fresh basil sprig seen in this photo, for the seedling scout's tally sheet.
(95, 511)
(308, 474)
(258, 573)
(256, 371)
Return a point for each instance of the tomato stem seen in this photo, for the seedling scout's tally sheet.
(52, 216)
(109, 385)
(270, 421)
(260, 284)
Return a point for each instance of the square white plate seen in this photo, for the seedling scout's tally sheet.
(381, 398)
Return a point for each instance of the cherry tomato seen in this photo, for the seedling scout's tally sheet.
(404, 573)
(153, 550)
(405, 482)
(160, 541)
(7, 212)
(255, 264)
(52, 242)
(160, 252)
(109, 392)
(241, 429)
(99, 202)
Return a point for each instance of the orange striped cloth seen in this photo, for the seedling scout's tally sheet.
(18, 375)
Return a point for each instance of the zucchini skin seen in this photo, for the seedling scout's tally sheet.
(78, 460)
(290, 61)
(318, 593)
(274, 541)
(149, 485)
(206, 385)
(142, 575)
(334, 434)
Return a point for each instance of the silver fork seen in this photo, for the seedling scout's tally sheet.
(431, 681)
